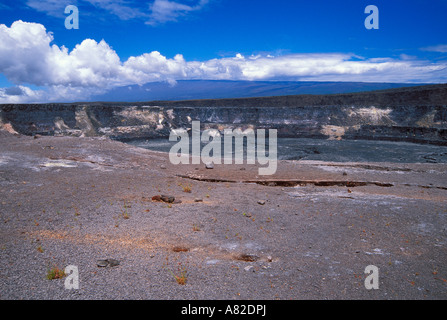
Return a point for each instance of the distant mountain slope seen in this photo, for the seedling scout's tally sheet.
(216, 89)
(415, 96)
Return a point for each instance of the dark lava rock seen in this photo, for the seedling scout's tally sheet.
(107, 263)
(168, 199)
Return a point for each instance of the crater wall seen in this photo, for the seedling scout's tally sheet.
(416, 115)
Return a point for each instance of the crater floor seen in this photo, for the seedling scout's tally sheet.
(307, 232)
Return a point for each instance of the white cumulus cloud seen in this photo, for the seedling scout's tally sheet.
(28, 58)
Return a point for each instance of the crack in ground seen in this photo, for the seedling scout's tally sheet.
(293, 182)
(317, 183)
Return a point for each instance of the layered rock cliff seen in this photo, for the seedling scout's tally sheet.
(417, 114)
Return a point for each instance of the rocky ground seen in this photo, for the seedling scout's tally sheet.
(308, 232)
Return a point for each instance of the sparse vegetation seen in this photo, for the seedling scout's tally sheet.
(181, 274)
(125, 213)
(187, 189)
(55, 273)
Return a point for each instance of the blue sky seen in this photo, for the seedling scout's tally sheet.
(125, 42)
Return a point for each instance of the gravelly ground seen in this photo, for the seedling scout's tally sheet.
(71, 201)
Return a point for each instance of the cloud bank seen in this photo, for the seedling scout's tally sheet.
(28, 58)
